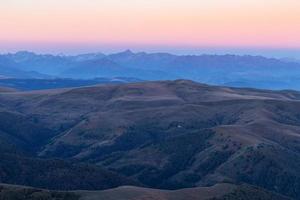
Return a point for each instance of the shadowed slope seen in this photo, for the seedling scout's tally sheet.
(57, 174)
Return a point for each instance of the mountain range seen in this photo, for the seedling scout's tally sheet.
(227, 70)
(164, 135)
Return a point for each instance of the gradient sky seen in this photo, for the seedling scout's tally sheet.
(72, 26)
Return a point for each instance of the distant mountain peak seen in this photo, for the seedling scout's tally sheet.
(127, 52)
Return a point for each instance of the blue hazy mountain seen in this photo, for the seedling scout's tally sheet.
(105, 67)
(230, 70)
(9, 68)
(45, 64)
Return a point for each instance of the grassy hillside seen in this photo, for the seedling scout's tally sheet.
(168, 134)
(217, 192)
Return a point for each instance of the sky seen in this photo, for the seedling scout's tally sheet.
(267, 27)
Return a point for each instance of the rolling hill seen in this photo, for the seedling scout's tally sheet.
(217, 192)
(164, 134)
(7, 89)
(56, 83)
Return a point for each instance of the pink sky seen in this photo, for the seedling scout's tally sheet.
(189, 23)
